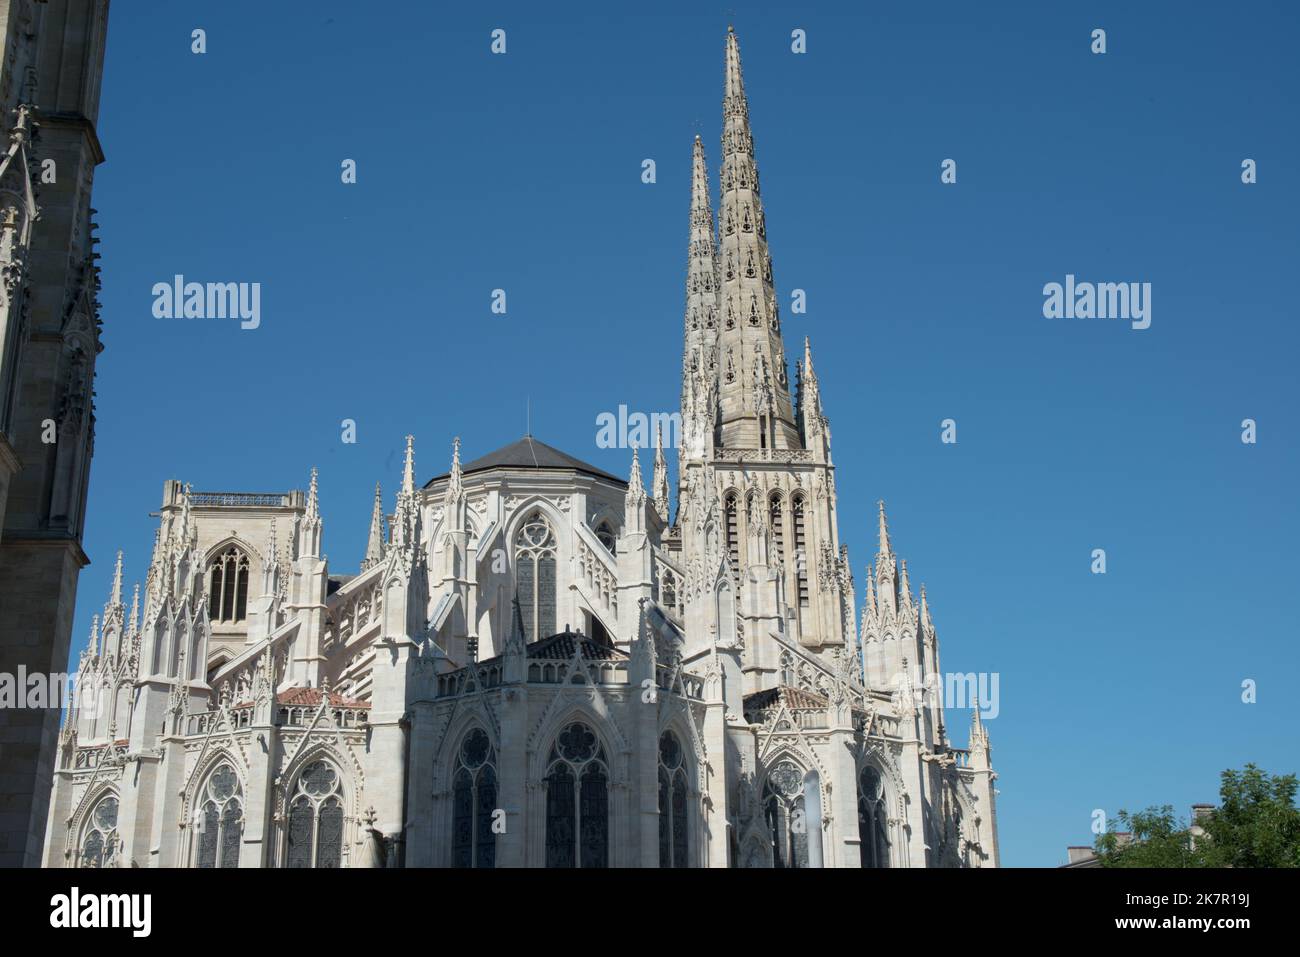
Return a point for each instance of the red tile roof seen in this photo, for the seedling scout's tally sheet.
(310, 698)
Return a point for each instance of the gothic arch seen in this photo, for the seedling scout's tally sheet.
(81, 816)
(194, 792)
(524, 509)
(349, 790)
(252, 570)
(207, 763)
(474, 714)
(606, 730)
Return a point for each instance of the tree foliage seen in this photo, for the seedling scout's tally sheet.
(1256, 824)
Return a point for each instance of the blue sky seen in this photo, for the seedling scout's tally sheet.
(522, 172)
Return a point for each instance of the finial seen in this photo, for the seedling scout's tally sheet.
(408, 469)
(884, 529)
(117, 581)
(313, 501)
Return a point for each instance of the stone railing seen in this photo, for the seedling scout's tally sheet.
(804, 720)
(692, 684)
(207, 721)
(300, 716)
(763, 455)
(599, 571)
(241, 499)
(91, 757)
(597, 672)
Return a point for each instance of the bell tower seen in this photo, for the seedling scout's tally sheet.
(756, 512)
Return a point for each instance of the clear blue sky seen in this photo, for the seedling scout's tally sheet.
(522, 172)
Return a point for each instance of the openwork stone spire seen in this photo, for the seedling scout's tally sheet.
(375, 543)
(635, 486)
(756, 410)
(310, 540)
(659, 484)
(454, 479)
(700, 349)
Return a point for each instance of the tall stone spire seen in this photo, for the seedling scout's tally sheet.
(700, 343)
(885, 548)
(659, 484)
(635, 486)
(405, 514)
(756, 411)
(310, 534)
(454, 478)
(375, 543)
(116, 597)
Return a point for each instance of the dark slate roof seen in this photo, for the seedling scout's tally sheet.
(528, 453)
(560, 648)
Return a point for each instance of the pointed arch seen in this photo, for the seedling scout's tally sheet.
(577, 792)
(227, 569)
(316, 808)
(474, 784)
(218, 821)
(98, 841)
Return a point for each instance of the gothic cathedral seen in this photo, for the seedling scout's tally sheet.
(536, 664)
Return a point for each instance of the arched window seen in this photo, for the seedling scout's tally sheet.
(535, 576)
(219, 820)
(606, 536)
(776, 518)
(99, 837)
(577, 800)
(674, 834)
(228, 586)
(315, 836)
(787, 821)
(733, 534)
(873, 821)
(787, 669)
(800, 549)
(473, 802)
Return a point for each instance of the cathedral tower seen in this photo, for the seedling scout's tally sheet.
(756, 510)
(51, 58)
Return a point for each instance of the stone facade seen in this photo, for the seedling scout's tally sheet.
(536, 664)
(53, 53)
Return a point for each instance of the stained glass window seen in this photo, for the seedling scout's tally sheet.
(315, 832)
(873, 840)
(535, 577)
(577, 800)
(99, 839)
(220, 820)
(228, 586)
(329, 834)
(474, 800)
(783, 808)
(673, 823)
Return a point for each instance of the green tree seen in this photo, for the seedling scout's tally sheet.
(1158, 839)
(1256, 824)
